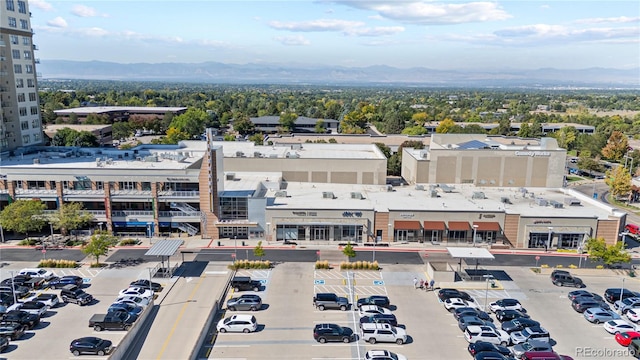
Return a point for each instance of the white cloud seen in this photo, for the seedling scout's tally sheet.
(85, 11)
(620, 19)
(431, 12)
(57, 22)
(294, 40)
(316, 25)
(376, 31)
(545, 7)
(94, 32)
(40, 4)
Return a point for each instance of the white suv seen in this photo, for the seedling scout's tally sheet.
(474, 334)
(239, 323)
(373, 333)
(38, 273)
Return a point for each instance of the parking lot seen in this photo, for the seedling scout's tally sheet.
(66, 322)
(288, 318)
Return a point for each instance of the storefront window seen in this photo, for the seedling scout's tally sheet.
(538, 240)
(289, 233)
(457, 236)
(569, 241)
(234, 208)
(433, 235)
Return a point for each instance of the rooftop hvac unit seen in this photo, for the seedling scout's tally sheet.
(109, 161)
(98, 160)
(505, 200)
(556, 204)
(151, 158)
(281, 193)
(389, 188)
(239, 154)
(230, 176)
(572, 202)
(328, 195)
(273, 156)
(541, 202)
(357, 195)
(36, 161)
(420, 187)
(434, 193)
(446, 188)
(478, 195)
(257, 154)
(423, 154)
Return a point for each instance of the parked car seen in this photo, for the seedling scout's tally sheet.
(20, 317)
(243, 283)
(625, 338)
(126, 307)
(530, 345)
(32, 307)
(373, 309)
(323, 333)
(140, 301)
(491, 355)
(572, 295)
(59, 282)
(518, 324)
(379, 300)
(90, 345)
(330, 301)
(633, 315)
(383, 355)
(599, 315)
(21, 291)
(136, 291)
(486, 333)
(613, 294)
(544, 355)
(373, 333)
(13, 331)
(508, 315)
(444, 294)
(20, 280)
(146, 284)
(112, 321)
(38, 273)
(580, 304)
(530, 333)
(505, 304)
(51, 300)
(634, 348)
(245, 302)
(625, 305)
(467, 321)
(483, 346)
(566, 279)
(238, 323)
(73, 294)
(379, 319)
(4, 343)
(462, 312)
(617, 326)
(454, 303)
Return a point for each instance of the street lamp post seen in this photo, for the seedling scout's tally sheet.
(486, 292)
(549, 238)
(268, 232)
(1, 234)
(623, 238)
(235, 246)
(621, 293)
(475, 229)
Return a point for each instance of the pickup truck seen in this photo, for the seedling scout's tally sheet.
(112, 321)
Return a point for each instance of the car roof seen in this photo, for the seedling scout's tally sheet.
(242, 317)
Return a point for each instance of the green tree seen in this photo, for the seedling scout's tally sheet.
(608, 254)
(419, 118)
(174, 136)
(121, 130)
(288, 120)
(525, 130)
(243, 125)
(348, 251)
(192, 122)
(72, 216)
(258, 251)
(23, 216)
(617, 146)
(384, 148)
(566, 137)
(319, 128)
(445, 126)
(414, 130)
(619, 181)
(257, 138)
(99, 245)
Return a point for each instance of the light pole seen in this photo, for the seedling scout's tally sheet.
(13, 289)
(268, 232)
(621, 293)
(549, 239)
(100, 225)
(475, 229)
(623, 237)
(235, 246)
(1, 234)
(486, 292)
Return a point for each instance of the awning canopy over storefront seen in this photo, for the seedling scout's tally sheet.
(434, 225)
(459, 226)
(487, 225)
(406, 225)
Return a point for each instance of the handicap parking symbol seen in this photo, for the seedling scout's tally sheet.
(86, 280)
(318, 282)
(263, 282)
(378, 282)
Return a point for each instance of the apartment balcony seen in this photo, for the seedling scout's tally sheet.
(84, 192)
(35, 47)
(131, 195)
(128, 213)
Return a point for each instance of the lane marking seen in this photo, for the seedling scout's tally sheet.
(180, 315)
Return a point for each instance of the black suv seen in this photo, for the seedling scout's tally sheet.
(379, 300)
(445, 294)
(332, 332)
(564, 278)
(73, 294)
(613, 294)
(330, 301)
(13, 331)
(242, 283)
(20, 317)
(379, 319)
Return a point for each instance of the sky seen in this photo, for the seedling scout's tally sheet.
(446, 35)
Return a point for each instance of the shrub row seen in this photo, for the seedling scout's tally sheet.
(250, 264)
(323, 264)
(359, 265)
(53, 263)
(28, 242)
(129, 242)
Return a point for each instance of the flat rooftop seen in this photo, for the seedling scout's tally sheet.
(232, 149)
(107, 109)
(407, 198)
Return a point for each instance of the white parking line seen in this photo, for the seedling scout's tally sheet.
(336, 344)
(232, 346)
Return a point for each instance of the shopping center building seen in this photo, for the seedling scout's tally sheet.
(306, 193)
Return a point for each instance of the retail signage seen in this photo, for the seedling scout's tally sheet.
(178, 179)
(487, 216)
(533, 153)
(352, 214)
(542, 222)
(407, 215)
(304, 213)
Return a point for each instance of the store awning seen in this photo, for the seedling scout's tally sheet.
(406, 225)
(459, 226)
(487, 225)
(434, 225)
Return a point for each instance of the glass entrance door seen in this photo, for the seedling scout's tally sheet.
(402, 235)
(319, 233)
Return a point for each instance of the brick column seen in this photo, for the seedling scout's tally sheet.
(154, 203)
(107, 205)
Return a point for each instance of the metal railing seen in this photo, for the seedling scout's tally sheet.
(83, 192)
(179, 214)
(180, 193)
(132, 213)
(35, 191)
(131, 192)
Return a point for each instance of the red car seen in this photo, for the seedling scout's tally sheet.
(625, 338)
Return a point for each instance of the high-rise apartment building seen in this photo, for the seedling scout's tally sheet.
(20, 120)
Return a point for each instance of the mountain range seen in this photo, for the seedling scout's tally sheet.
(214, 72)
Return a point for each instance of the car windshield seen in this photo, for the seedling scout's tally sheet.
(526, 332)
